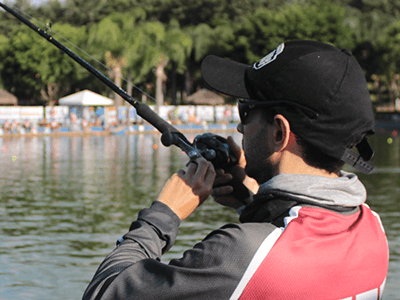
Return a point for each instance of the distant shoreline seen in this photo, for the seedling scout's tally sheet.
(380, 127)
(123, 130)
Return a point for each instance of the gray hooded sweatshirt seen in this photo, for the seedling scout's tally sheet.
(214, 268)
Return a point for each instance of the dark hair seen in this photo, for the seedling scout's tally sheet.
(318, 159)
(311, 155)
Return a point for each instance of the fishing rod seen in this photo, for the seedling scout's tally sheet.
(210, 146)
(173, 135)
(143, 110)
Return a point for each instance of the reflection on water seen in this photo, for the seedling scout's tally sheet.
(383, 188)
(65, 200)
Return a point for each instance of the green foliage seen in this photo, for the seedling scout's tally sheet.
(207, 40)
(264, 31)
(141, 45)
(3, 46)
(194, 12)
(19, 63)
(84, 12)
(183, 32)
(55, 66)
(178, 47)
(30, 62)
(53, 11)
(367, 26)
(158, 41)
(388, 46)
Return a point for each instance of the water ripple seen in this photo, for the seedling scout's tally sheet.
(66, 200)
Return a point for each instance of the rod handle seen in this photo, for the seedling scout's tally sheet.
(149, 115)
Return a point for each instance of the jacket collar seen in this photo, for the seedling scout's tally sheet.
(275, 197)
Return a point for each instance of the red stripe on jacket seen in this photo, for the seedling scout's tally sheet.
(324, 255)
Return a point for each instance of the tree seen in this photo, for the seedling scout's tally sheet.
(207, 40)
(137, 47)
(367, 25)
(8, 22)
(136, 36)
(388, 46)
(33, 68)
(108, 40)
(52, 11)
(211, 12)
(386, 65)
(162, 47)
(83, 12)
(19, 61)
(116, 40)
(259, 34)
(178, 47)
(3, 48)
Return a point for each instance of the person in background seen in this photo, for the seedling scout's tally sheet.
(54, 125)
(14, 126)
(7, 126)
(27, 125)
(307, 232)
(85, 125)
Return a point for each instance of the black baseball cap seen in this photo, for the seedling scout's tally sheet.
(310, 74)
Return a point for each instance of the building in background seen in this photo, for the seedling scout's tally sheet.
(7, 98)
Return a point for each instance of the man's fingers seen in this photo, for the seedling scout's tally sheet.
(200, 171)
(210, 176)
(220, 172)
(222, 178)
(189, 188)
(193, 165)
(221, 191)
(202, 168)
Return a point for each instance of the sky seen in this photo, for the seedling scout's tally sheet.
(38, 2)
(33, 2)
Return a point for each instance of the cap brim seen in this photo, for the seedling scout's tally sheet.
(225, 76)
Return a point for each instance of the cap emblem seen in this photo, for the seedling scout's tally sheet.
(270, 57)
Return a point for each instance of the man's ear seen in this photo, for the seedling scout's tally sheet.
(281, 133)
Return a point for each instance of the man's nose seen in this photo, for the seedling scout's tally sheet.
(240, 127)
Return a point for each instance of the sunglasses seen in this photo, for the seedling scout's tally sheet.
(245, 106)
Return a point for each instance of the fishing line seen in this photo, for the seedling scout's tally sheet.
(48, 29)
(212, 147)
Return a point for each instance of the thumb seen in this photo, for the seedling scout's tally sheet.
(236, 149)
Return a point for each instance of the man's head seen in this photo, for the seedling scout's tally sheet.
(319, 89)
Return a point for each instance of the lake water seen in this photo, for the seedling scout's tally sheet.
(64, 201)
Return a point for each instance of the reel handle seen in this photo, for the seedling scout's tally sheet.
(223, 159)
(168, 139)
(213, 148)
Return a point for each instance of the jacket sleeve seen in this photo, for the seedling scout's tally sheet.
(152, 234)
(210, 270)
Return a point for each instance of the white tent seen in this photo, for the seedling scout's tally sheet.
(85, 98)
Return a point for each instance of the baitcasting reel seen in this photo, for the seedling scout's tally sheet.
(215, 149)
(212, 147)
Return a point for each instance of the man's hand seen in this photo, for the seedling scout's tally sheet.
(187, 189)
(223, 193)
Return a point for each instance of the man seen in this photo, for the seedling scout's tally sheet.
(306, 233)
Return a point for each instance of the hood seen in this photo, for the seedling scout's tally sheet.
(346, 190)
(275, 197)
